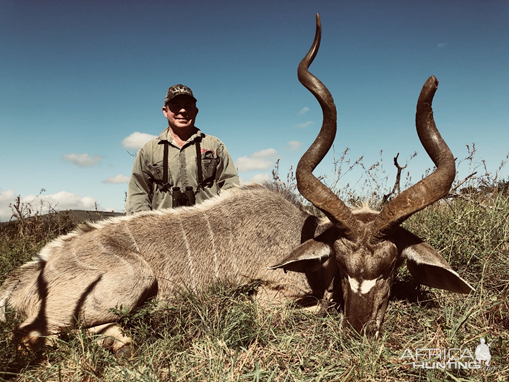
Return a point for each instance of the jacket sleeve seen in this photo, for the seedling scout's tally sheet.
(227, 174)
(139, 193)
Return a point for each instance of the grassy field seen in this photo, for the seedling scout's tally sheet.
(220, 334)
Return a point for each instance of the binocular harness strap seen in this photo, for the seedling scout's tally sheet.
(198, 163)
(166, 185)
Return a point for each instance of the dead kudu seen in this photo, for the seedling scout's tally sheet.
(251, 232)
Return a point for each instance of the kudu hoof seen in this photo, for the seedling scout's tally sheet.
(124, 352)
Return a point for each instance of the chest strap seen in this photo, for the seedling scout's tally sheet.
(166, 186)
(198, 163)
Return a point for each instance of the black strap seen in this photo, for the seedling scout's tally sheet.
(166, 185)
(198, 163)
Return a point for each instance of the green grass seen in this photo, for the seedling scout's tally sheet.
(221, 334)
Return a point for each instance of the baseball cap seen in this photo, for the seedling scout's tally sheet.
(177, 90)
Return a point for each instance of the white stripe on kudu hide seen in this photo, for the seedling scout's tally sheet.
(363, 287)
(233, 254)
(135, 244)
(188, 253)
(82, 263)
(212, 245)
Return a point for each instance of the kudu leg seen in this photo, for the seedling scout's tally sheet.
(85, 298)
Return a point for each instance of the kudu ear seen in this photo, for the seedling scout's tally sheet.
(427, 266)
(310, 255)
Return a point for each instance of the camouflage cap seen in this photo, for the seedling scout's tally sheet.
(177, 90)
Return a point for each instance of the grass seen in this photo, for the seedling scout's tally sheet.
(221, 334)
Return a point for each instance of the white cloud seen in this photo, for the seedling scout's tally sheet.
(258, 178)
(6, 197)
(305, 124)
(294, 145)
(260, 160)
(304, 110)
(136, 140)
(264, 153)
(82, 160)
(117, 179)
(442, 45)
(62, 200)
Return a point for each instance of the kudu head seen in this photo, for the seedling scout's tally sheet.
(368, 246)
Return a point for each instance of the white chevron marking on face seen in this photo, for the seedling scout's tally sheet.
(362, 287)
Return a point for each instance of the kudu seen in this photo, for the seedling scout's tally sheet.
(243, 234)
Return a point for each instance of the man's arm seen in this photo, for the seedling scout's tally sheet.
(139, 193)
(227, 176)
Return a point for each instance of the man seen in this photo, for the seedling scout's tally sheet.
(182, 166)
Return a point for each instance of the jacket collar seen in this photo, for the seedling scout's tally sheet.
(165, 136)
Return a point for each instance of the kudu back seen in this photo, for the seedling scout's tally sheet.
(250, 232)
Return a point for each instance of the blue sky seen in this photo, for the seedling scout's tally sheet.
(82, 83)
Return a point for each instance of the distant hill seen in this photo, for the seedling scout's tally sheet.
(81, 215)
(78, 215)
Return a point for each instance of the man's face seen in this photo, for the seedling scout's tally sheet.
(181, 112)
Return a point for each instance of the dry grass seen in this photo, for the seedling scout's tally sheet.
(220, 334)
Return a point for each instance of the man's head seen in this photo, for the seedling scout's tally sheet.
(180, 108)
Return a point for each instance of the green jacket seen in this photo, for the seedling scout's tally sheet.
(146, 191)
